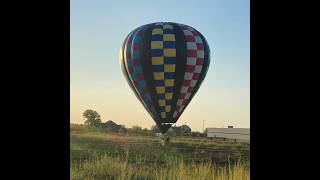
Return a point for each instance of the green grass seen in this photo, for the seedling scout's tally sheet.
(99, 155)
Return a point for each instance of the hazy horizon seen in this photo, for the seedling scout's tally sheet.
(98, 29)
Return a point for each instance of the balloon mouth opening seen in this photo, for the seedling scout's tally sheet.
(167, 124)
(164, 126)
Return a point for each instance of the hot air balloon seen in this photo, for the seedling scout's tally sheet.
(165, 63)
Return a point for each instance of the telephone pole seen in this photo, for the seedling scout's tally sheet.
(203, 126)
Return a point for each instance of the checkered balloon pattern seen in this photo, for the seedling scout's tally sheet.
(165, 64)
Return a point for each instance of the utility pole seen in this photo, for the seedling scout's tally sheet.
(203, 126)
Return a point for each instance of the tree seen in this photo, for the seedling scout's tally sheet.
(92, 118)
(136, 129)
(179, 130)
(186, 129)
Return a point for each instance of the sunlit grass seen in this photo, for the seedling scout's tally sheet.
(101, 155)
(116, 168)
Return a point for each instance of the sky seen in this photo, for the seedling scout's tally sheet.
(97, 29)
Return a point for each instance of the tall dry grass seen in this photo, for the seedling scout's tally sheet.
(107, 167)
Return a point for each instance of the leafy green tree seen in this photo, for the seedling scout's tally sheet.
(92, 118)
(185, 129)
(136, 129)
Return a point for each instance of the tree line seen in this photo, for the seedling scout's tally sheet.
(93, 121)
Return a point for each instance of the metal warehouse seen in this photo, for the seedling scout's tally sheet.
(229, 133)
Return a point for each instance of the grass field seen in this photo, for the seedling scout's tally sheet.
(99, 155)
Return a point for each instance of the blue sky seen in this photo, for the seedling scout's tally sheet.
(98, 28)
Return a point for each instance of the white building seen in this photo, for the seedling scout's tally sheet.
(229, 133)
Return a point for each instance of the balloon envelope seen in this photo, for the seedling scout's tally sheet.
(164, 64)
